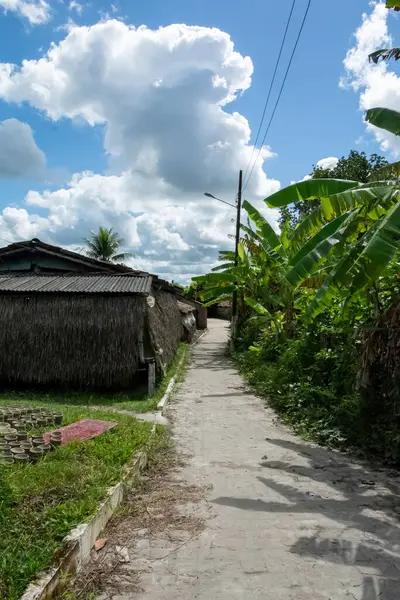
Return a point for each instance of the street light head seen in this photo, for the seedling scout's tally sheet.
(219, 199)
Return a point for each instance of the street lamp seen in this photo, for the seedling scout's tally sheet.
(219, 199)
(238, 207)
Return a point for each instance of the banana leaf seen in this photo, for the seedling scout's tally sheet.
(259, 308)
(379, 250)
(309, 190)
(262, 224)
(214, 278)
(220, 298)
(385, 118)
(213, 292)
(384, 54)
(322, 235)
(372, 197)
(337, 278)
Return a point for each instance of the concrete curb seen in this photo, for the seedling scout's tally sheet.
(76, 546)
(162, 405)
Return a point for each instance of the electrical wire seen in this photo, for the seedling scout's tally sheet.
(280, 91)
(271, 86)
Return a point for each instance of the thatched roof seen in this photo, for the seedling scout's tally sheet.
(185, 309)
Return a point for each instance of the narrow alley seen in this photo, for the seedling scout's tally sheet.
(282, 518)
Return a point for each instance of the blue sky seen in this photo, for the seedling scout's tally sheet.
(316, 119)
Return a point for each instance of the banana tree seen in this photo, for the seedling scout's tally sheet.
(348, 241)
(259, 279)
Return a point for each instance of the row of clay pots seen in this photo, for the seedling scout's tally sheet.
(20, 450)
(22, 413)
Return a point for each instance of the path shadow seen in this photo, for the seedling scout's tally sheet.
(362, 498)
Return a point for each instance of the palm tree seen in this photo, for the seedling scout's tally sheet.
(105, 244)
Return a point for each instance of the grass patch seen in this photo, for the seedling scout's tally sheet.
(41, 503)
(138, 401)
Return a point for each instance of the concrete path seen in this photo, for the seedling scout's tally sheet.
(283, 519)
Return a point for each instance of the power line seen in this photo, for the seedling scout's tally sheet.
(280, 91)
(271, 86)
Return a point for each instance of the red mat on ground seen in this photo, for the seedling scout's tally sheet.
(81, 430)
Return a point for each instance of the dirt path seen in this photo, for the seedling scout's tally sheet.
(273, 518)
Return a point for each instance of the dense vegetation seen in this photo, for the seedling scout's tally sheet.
(319, 303)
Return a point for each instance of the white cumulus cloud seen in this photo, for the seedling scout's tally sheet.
(378, 85)
(36, 11)
(162, 97)
(74, 5)
(327, 163)
(19, 155)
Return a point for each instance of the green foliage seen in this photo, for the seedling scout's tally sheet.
(105, 245)
(385, 118)
(356, 167)
(42, 502)
(318, 334)
(311, 380)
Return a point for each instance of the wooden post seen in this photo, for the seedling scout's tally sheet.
(151, 377)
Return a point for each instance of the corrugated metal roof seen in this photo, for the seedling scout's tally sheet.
(75, 284)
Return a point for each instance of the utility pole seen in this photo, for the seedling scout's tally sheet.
(238, 207)
(237, 237)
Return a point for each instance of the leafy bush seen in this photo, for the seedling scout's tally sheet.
(312, 381)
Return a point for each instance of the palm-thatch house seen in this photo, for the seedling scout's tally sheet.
(85, 331)
(35, 256)
(222, 310)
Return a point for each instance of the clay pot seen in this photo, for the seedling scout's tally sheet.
(17, 450)
(16, 444)
(58, 418)
(21, 458)
(10, 437)
(41, 421)
(37, 441)
(6, 460)
(35, 453)
(55, 441)
(22, 435)
(4, 430)
(26, 445)
(45, 447)
(6, 452)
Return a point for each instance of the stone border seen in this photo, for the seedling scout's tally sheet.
(77, 545)
(162, 405)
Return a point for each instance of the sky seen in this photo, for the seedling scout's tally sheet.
(123, 114)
